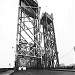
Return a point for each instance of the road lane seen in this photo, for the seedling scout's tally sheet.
(43, 72)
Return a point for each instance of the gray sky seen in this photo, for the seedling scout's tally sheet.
(63, 12)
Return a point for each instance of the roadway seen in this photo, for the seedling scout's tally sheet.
(43, 72)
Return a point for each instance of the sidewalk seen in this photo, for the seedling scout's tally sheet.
(7, 73)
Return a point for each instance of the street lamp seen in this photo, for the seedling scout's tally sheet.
(74, 48)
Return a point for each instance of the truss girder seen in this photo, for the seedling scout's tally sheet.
(28, 53)
(51, 54)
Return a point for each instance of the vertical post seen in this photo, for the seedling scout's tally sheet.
(17, 39)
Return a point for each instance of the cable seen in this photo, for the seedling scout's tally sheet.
(65, 54)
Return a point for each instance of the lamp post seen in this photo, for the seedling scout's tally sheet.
(74, 57)
(14, 55)
(10, 65)
(74, 48)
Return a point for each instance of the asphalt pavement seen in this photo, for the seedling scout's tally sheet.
(7, 72)
(43, 72)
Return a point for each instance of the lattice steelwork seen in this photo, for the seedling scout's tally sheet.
(28, 52)
(50, 57)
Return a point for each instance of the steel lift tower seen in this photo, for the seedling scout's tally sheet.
(50, 57)
(28, 49)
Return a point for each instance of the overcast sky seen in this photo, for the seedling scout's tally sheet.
(63, 13)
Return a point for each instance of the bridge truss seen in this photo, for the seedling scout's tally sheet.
(29, 51)
(51, 55)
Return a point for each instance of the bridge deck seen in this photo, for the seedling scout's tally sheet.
(43, 72)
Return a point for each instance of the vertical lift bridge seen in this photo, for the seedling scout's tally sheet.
(29, 52)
